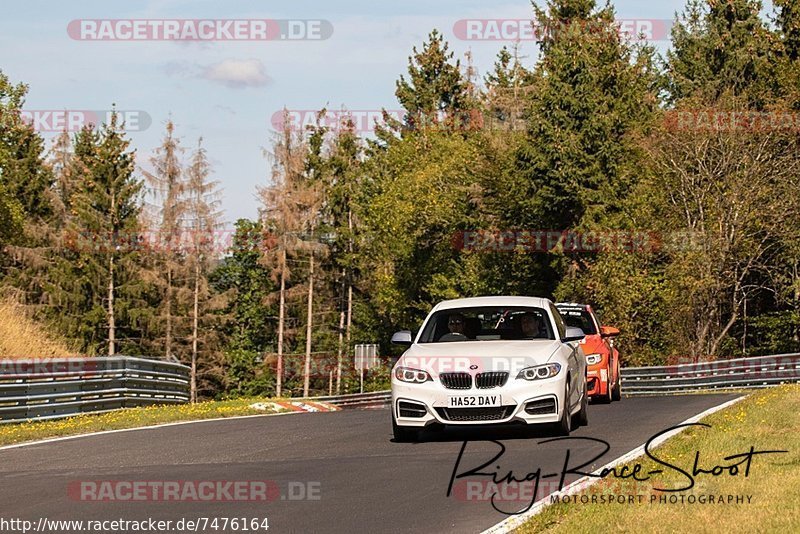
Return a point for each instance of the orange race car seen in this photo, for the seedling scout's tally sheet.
(602, 358)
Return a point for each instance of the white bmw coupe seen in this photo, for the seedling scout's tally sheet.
(490, 360)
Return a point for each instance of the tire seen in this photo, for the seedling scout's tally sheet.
(564, 426)
(404, 434)
(617, 393)
(582, 417)
(609, 396)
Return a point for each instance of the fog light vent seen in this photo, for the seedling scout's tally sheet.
(541, 407)
(411, 409)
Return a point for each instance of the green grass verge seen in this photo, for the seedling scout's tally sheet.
(11, 433)
(768, 420)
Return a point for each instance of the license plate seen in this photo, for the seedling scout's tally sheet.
(474, 401)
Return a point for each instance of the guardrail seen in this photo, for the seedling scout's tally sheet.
(53, 388)
(720, 375)
(375, 399)
(50, 389)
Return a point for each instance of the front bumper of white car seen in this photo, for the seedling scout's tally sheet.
(529, 402)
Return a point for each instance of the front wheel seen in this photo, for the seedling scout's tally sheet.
(617, 393)
(609, 396)
(582, 417)
(564, 426)
(404, 434)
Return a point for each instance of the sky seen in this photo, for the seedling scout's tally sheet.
(228, 91)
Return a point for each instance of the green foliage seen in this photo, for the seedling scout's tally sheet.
(724, 48)
(434, 86)
(788, 19)
(773, 333)
(419, 194)
(104, 210)
(592, 94)
(21, 169)
(576, 140)
(251, 328)
(247, 375)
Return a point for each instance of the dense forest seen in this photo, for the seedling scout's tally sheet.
(662, 190)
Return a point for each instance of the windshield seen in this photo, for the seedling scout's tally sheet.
(579, 319)
(487, 324)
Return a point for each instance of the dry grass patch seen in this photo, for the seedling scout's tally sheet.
(21, 337)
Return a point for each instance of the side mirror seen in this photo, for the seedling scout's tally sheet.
(574, 334)
(609, 331)
(402, 338)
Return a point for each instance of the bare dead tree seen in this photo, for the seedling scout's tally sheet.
(202, 219)
(737, 191)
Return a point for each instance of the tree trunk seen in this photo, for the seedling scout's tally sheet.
(796, 280)
(349, 286)
(307, 365)
(349, 317)
(194, 330)
(112, 326)
(339, 355)
(112, 349)
(168, 327)
(281, 311)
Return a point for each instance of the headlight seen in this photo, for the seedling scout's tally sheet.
(540, 372)
(592, 359)
(414, 376)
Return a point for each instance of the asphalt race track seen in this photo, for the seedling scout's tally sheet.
(361, 480)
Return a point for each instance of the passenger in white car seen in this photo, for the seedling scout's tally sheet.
(456, 324)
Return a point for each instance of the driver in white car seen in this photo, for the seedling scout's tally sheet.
(529, 323)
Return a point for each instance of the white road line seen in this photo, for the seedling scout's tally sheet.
(513, 522)
(162, 425)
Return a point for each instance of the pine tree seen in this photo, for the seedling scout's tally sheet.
(435, 94)
(788, 23)
(723, 48)
(251, 330)
(18, 153)
(60, 160)
(28, 221)
(24, 175)
(202, 221)
(342, 181)
(788, 19)
(508, 88)
(167, 187)
(94, 287)
(592, 95)
(281, 215)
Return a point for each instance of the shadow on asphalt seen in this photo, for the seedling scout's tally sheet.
(485, 433)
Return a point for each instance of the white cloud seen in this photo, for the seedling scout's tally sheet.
(238, 73)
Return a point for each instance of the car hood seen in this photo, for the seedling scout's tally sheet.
(478, 356)
(593, 344)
